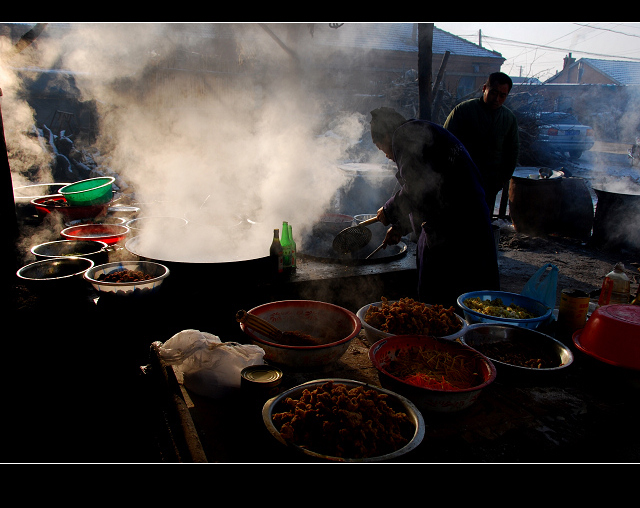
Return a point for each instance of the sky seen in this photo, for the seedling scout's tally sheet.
(537, 49)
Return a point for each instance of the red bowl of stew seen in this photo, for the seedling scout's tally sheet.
(435, 374)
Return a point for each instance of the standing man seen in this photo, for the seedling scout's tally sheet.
(442, 201)
(489, 132)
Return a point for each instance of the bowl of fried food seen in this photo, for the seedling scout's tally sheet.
(436, 374)
(127, 278)
(342, 420)
(408, 317)
(518, 350)
(501, 307)
(316, 333)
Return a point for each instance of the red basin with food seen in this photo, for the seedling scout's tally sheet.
(612, 335)
(57, 203)
(107, 233)
(435, 374)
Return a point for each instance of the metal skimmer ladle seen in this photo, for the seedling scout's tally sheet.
(353, 238)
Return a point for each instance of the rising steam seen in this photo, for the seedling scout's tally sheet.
(187, 146)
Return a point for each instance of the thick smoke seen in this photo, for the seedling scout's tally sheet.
(24, 150)
(206, 150)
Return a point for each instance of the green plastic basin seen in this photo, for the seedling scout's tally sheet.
(94, 191)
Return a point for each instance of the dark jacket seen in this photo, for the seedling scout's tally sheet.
(442, 200)
(490, 137)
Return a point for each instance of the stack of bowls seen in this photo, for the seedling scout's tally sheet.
(85, 199)
(57, 203)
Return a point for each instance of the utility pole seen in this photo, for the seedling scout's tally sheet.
(425, 55)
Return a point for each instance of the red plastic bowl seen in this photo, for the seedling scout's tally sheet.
(383, 352)
(45, 205)
(612, 335)
(107, 233)
(336, 325)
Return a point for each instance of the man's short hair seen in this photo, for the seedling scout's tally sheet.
(499, 78)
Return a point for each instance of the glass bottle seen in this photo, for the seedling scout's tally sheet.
(615, 287)
(286, 248)
(276, 255)
(294, 263)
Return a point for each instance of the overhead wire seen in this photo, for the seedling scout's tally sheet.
(592, 31)
(508, 42)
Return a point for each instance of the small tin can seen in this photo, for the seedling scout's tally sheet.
(572, 313)
(260, 380)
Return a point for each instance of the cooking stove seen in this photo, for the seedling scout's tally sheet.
(320, 248)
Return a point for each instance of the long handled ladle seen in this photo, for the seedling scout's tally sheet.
(353, 238)
(376, 250)
(271, 332)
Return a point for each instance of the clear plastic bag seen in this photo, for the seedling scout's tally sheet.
(542, 286)
(206, 365)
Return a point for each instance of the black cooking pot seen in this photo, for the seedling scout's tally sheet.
(615, 224)
(215, 276)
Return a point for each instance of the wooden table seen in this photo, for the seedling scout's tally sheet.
(586, 414)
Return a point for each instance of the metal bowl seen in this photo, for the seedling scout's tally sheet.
(374, 334)
(397, 402)
(94, 250)
(384, 352)
(55, 276)
(157, 271)
(117, 221)
(335, 325)
(541, 312)
(489, 339)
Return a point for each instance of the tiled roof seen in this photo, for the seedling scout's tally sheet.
(624, 73)
(396, 37)
(382, 36)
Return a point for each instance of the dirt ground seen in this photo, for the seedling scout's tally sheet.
(580, 265)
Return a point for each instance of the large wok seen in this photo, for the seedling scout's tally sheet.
(204, 269)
